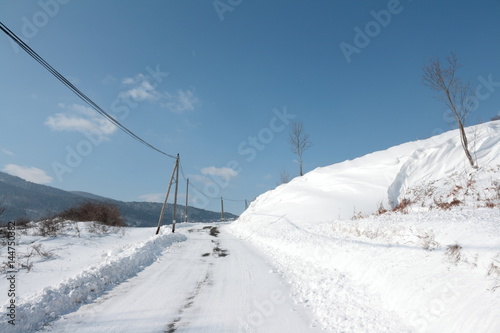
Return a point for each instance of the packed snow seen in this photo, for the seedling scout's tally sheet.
(401, 240)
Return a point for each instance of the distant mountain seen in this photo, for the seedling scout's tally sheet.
(24, 199)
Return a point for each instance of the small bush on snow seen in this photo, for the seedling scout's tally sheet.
(453, 253)
(104, 213)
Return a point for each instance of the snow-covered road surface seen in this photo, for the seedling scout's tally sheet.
(212, 282)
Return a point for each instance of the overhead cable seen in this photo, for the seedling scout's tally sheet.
(75, 90)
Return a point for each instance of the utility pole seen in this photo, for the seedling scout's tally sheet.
(222, 209)
(175, 196)
(166, 195)
(187, 190)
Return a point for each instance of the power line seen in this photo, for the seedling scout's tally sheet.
(75, 90)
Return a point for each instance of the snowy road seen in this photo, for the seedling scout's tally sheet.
(209, 283)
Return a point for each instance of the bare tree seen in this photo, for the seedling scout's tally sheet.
(299, 141)
(284, 177)
(459, 96)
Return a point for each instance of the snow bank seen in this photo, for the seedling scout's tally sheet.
(428, 271)
(118, 265)
(421, 272)
(361, 185)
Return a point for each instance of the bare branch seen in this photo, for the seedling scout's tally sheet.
(458, 96)
(299, 141)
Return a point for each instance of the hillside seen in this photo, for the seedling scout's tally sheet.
(24, 199)
(386, 177)
(401, 240)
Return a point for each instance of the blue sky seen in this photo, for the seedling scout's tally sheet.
(219, 83)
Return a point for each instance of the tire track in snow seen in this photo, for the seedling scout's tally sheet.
(217, 252)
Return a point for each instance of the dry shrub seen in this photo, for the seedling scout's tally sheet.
(49, 228)
(105, 213)
(447, 205)
(453, 253)
(402, 206)
(381, 209)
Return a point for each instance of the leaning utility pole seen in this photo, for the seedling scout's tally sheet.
(166, 195)
(187, 190)
(222, 209)
(175, 196)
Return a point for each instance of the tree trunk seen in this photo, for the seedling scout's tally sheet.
(463, 136)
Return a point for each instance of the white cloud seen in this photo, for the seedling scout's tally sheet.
(202, 179)
(212, 174)
(141, 89)
(153, 197)
(81, 119)
(219, 172)
(181, 101)
(7, 152)
(31, 174)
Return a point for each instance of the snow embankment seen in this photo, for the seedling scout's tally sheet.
(436, 271)
(116, 265)
(433, 266)
(382, 178)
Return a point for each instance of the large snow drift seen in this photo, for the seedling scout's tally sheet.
(359, 186)
(432, 266)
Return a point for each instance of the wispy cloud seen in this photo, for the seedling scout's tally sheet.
(153, 197)
(79, 118)
(212, 174)
(31, 174)
(143, 88)
(140, 89)
(7, 152)
(181, 101)
(219, 172)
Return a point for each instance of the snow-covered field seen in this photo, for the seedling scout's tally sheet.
(402, 240)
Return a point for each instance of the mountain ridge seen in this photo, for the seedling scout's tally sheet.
(25, 199)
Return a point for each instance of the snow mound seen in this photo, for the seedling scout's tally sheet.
(432, 266)
(383, 178)
(116, 266)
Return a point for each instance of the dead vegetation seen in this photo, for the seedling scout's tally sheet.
(403, 206)
(447, 205)
(453, 252)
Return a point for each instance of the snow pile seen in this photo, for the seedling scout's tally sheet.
(433, 266)
(115, 265)
(361, 185)
(422, 272)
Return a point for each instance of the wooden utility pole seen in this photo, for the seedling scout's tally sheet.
(175, 196)
(187, 190)
(166, 195)
(222, 209)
